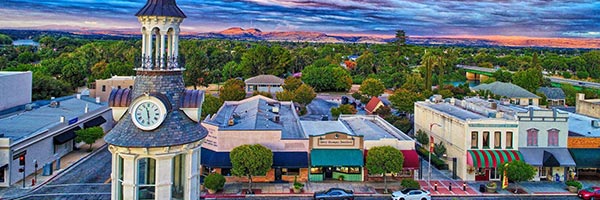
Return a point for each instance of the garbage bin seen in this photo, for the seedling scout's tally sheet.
(482, 188)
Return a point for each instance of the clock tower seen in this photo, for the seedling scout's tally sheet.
(156, 144)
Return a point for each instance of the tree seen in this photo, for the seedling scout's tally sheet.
(89, 135)
(285, 95)
(44, 87)
(383, 160)
(291, 83)
(517, 171)
(530, 79)
(372, 87)
(400, 38)
(5, 40)
(262, 93)
(343, 109)
(422, 137)
(210, 105)
(502, 76)
(428, 62)
(414, 83)
(233, 90)
(404, 100)
(251, 160)
(439, 149)
(304, 94)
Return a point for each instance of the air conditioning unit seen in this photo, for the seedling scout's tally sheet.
(596, 123)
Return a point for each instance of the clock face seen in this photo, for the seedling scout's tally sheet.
(148, 114)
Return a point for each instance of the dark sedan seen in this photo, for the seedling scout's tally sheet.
(335, 193)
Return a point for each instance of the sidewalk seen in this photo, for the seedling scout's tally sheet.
(66, 161)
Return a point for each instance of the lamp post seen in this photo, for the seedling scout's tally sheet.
(430, 152)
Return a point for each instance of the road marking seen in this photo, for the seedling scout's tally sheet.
(73, 184)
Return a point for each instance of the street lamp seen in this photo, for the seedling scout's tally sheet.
(430, 152)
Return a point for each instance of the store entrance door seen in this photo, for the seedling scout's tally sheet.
(277, 174)
(328, 172)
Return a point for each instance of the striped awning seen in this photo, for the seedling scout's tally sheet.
(491, 158)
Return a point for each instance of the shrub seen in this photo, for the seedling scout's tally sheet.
(573, 183)
(410, 183)
(214, 181)
(491, 184)
(435, 161)
(297, 184)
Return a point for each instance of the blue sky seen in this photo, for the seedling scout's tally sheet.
(536, 18)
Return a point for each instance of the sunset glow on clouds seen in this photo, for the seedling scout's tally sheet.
(536, 18)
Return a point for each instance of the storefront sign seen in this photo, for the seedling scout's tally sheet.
(336, 142)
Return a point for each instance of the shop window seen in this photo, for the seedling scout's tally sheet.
(494, 174)
(480, 172)
(2, 170)
(226, 171)
(532, 137)
(348, 170)
(146, 178)
(486, 139)
(316, 170)
(474, 140)
(290, 171)
(509, 140)
(497, 140)
(553, 137)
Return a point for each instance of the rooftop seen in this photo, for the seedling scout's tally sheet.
(8, 73)
(121, 78)
(583, 125)
(264, 79)
(23, 124)
(506, 90)
(161, 8)
(257, 113)
(372, 127)
(322, 127)
(552, 92)
(452, 110)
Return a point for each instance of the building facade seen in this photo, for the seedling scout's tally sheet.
(45, 133)
(102, 88)
(18, 84)
(517, 95)
(156, 144)
(584, 145)
(264, 83)
(477, 139)
(589, 107)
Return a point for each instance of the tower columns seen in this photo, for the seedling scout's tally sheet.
(164, 174)
(192, 174)
(162, 63)
(129, 190)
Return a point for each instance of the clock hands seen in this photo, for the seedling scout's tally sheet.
(148, 115)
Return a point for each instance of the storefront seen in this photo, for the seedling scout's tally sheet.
(588, 163)
(483, 164)
(551, 163)
(286, 166)
(336, 156)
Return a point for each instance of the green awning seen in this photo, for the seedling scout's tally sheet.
(336, 157)
(586, 158)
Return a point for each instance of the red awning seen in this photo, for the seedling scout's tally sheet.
(411, 159)
(491, 158)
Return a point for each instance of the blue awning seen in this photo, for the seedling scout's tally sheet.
(290, 159)
(211, 158)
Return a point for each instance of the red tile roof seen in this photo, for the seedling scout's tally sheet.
(372, 105)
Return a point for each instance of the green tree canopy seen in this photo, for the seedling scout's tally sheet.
(343, 109)
(89, 135)
(404, 100)
(372, 87)
(291, 83)
(304, 94)
(44, 87)
(285, 95)
(210, 105)
(5, 39)
(233, 90)
(518, 171)
(383, 160)
(251, 160)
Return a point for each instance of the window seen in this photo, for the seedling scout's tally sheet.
(2, 175)
(316, 170)
(532, 137)
(146, 178)
(474, 139)
(494, 174)
(120, 178)
(290, 171)
(178, 177)
(226, 171)
(486, 139)
(103, 88)
(530, 101)
(553, 137)
(497, 139)
(509, 140)
(348, 170)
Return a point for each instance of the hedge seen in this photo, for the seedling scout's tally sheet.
(437, 162)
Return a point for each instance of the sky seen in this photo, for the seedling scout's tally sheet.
(533, 18)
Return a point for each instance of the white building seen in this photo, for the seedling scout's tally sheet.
(18, 84)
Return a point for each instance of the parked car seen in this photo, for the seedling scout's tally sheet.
(589, 193)
(411, 194)
(334, 193)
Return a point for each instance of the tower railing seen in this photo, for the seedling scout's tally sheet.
(169, 63)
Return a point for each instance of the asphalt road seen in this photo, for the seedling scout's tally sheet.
(317, 108)
(88, 180)
(574, 82)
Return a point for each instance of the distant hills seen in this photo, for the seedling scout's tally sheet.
(254, 34)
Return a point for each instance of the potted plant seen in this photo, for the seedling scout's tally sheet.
(573, 186)
(341, 177)
(491, 187)
(214, 182)
(297, 185)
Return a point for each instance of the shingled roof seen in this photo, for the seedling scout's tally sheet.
(506, 90)
(264, 79)
(161, 8)
(552, 93)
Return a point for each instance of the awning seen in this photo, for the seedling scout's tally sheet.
(94, 122)
(211, 158)
(3, 166)
(547, 157)
(491, 158)
(411, 159)
(336, 157)
(586, 158)
(66, 136)
(290, 159)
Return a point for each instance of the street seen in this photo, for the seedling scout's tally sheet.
(317, 109)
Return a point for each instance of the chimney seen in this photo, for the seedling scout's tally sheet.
(98, 100)
(62, 119)
(452, 101)
(580, 96)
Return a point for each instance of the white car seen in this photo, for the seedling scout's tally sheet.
(410, 194)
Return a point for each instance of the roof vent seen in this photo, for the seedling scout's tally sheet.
(276, 118)
(29, 107)
(54, 104)
(62, 119)
(98, 100)
(231, 122)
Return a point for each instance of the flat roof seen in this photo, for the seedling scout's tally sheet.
(22, 124)
(372, 127)
(322, 127)
(582, 125)
(8, 73)
(255, 113)
(452, 110)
